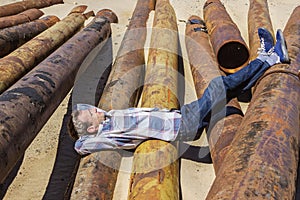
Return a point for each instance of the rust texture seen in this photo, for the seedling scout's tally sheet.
(230, 48)
(23, 17)
(29, 103)
(97, 173)
(204, 68)
(201, 56)
(94, 179)
(23, 59)
(123, 87)
(263, 158)
(13, 37)
(17, 7)
(222, 132)
(258, 16)
(155, 173)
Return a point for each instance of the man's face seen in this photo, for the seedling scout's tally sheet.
(93, 117)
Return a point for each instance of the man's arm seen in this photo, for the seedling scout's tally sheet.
(89, 144)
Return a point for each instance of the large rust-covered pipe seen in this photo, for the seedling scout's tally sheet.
(204, 68)
(123, 87)
(258, 16)
(13, 37)
(222, 132)
(230, 48)
(29, 103)
(23, 17)
(98, 172)
(23, 59)
(263, 158)
(202, 59)
(20, 6)
(155, 173)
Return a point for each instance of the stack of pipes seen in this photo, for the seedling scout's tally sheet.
(19, 22)
(98, 172)
(34, 97)
(255, 156)
(263, 158)
(155, 171)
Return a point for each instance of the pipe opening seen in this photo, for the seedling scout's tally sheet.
(233, 55)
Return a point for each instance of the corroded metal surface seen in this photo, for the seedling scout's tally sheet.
(97, 176)
(204, 68)
(156, 171)
(125, 81)
(97, 173)
(258, 16)
(13, 37)
(292, 35)
(23, 17)
(222, 132)
(17, 7)
(230, 48)
(17, 63)
(29, 103)
(263, 158)
(155, 166)
(201, 56)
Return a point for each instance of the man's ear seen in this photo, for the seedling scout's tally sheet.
(91, 129)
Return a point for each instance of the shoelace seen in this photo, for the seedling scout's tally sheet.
(262, 49)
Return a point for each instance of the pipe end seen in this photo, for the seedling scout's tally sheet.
(233, 55)
(109, 14)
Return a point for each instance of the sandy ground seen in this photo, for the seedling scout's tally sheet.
(36, 176)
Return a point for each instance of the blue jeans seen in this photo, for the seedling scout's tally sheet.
(197, 115)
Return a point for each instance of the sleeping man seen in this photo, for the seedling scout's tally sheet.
(98, 130)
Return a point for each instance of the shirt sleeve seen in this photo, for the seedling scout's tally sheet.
(89, 144)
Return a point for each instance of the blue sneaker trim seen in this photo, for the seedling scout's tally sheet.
(281, 48)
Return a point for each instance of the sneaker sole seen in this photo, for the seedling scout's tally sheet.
(283, 47)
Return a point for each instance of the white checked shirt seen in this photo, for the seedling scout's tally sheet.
(125, 129)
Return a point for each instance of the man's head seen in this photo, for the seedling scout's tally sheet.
(86, 119)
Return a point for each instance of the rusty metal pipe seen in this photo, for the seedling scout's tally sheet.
(17, 7)
(29, 103)
(222, 133)
(155, 173)
(258, 16)
(202, 59)
(13, 37)
(23, 17)
(128, 69)
(98, 172)
(263, 158)
(23, 59)
(230, 48)
(204, 68)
